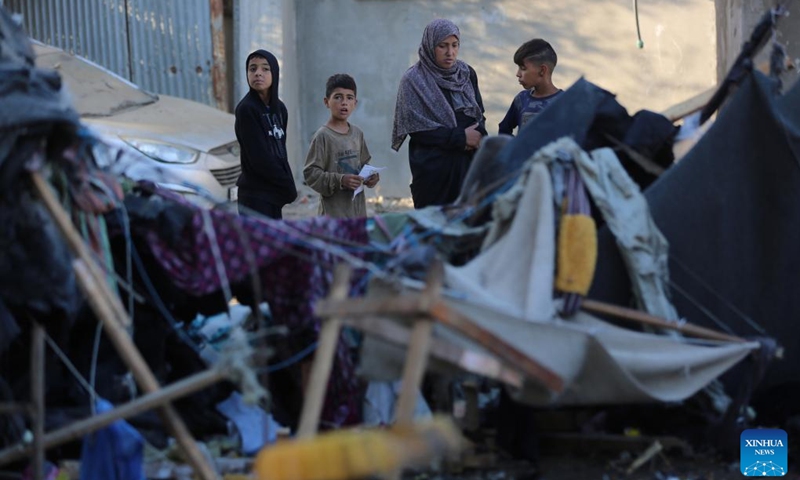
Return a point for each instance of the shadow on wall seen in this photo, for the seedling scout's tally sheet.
(593, 39)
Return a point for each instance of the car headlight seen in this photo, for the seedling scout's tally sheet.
(163, 152)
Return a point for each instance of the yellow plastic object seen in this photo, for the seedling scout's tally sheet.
(577, 254)
(352, 454)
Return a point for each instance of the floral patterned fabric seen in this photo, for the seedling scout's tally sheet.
(214, 249)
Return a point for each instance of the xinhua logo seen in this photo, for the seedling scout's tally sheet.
(763, 452)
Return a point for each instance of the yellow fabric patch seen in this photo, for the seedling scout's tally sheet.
(577, 254)
(331, 456)
(348, 454)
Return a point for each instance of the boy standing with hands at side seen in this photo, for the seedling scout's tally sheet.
(337, 154)
(536, 60)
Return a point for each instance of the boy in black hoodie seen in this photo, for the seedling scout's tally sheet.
(266, 183)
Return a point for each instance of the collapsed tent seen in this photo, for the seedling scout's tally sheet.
(166, 261)
(175, 260)
(593, 118)
(508, 289)
(728, 209)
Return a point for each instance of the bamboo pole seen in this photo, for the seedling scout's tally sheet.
(144, 403)
(629, 314)
(510, 354)
(689, 106)
(484, 364)
(76, 243)
(37, 399)
(140, 370)
(112, 315)
(417, 356)
(12, 408)
(418, 349)
(323, 358)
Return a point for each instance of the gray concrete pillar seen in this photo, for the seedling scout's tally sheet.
(736, 20)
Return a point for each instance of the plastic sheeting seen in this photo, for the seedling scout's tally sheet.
(729, 210)
(508, 291)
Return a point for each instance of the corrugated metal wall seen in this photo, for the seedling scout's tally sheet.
(95, 29)
(163, 46)
(257, 24)
(171, 49)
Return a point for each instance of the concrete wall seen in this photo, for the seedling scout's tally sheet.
(377, 40)
(735, 22)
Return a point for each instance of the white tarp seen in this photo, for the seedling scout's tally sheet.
(508, 274)
(508, 289)
(601, 363)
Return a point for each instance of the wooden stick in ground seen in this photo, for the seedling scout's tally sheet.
(110, 312)
(144, 403)
(417, 356)
(37, 398)
(646, 319)
(323, 358)
(98, 294)
(648, 454)
(418, 349)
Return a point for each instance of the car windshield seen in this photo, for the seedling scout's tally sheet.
(95, 91)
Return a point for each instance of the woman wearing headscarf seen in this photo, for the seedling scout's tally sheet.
(266, 183)
(439, 106)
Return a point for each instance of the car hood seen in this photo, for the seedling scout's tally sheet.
(171, 120)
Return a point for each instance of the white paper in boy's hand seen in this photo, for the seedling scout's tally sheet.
(366, 172)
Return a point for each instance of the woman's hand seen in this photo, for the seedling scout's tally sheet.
(473, 137)
(351, 182)
(372, 180)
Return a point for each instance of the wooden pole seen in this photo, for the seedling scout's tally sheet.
(480, 363)
(647, 319)
(37, 399)
(139, 368)
(510, 354)
(418, 349)
(86, 426)
(12, 408)
(417, 356)
(76, 243)
(413, 370)
(690, 106)
(219, 80)
(324, 357)
(112, 315)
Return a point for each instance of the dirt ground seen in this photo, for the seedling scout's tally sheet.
(307, 204)
(614, 466)
(591, 462)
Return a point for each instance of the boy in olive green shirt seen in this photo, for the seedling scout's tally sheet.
(337, 154)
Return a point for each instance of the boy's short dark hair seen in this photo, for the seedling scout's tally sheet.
(340, 80)
(536, 51)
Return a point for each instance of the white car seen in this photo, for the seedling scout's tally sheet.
(186, 146)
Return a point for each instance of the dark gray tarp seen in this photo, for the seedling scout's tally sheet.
(730, 210)
(35, 119)
(593, 118)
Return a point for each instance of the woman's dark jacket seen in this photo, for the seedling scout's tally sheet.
(437, 157)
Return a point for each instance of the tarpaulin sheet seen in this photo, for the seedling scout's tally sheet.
(506, 288)
(730, 211)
